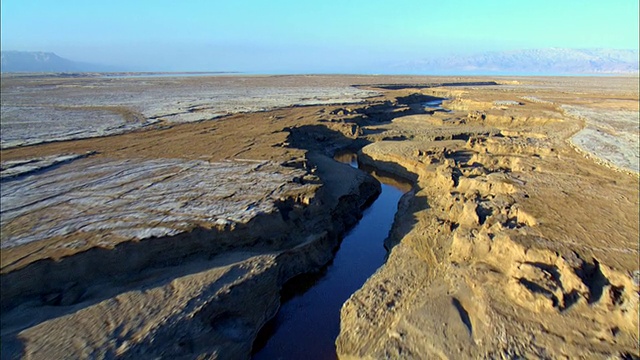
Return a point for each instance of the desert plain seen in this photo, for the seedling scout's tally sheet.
(159, 217)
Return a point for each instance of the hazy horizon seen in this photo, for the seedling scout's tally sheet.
(294, 37)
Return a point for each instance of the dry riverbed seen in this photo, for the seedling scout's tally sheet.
(166, 222)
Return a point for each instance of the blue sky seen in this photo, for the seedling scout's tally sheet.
(303, 36)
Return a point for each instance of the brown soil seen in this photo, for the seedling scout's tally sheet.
(510, 244)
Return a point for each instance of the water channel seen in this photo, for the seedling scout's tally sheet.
(308, 321)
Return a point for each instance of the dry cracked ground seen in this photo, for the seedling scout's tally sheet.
(159, 217)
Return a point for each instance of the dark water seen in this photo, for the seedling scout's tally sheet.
(434, 105)
(308, 322)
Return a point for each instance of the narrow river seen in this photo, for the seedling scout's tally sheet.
(308, 321)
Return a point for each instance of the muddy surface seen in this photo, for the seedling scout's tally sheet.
(45, 109)
(173, 237)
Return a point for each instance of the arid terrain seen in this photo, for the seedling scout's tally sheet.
(159, 217)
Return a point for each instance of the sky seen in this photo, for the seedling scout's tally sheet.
(305, 35)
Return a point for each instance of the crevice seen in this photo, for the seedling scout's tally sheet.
(464, 315)
(535, 288)
(594, 279)
(302, 286)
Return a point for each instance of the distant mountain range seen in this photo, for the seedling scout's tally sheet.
(552, 61)
(534, 61)
(38, 61)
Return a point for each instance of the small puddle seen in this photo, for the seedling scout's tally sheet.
(434, 105)
(308, 322)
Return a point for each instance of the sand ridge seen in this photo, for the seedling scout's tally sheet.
(512, 244)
